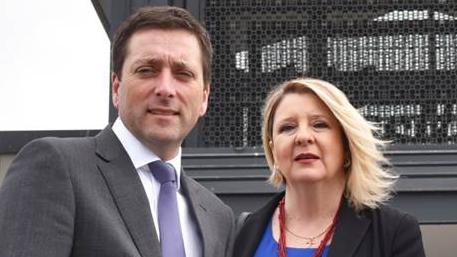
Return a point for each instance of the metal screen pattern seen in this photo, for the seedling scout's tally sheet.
(396, 60)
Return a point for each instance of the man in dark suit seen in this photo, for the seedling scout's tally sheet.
(97, 196)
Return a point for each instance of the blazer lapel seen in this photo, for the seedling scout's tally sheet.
(349, 233)
(249, 236)
(128, 193)
(198, 210)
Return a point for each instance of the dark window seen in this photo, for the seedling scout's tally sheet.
(396, 61)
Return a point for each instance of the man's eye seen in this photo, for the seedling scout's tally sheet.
(145, 70)
(185, 73)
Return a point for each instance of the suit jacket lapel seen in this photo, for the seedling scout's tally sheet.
(128, 193)
(249, 236)
(349, 233)
(198, 209)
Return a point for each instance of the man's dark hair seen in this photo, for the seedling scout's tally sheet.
(160, 17)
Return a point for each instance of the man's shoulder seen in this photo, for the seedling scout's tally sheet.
(70, 143)
(54, 146)
(60, 144)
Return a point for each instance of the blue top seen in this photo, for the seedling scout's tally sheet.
(268, 247)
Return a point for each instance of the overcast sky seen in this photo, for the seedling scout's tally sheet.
(54, 66)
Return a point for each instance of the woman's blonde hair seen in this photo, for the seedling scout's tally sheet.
(368, 180)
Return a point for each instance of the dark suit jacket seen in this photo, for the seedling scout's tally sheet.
(382, 232)
(83, 197)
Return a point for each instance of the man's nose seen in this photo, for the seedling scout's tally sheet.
(165, 84)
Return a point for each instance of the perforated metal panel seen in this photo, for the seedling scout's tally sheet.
(396, 61)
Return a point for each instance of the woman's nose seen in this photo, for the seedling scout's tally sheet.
(304, 136)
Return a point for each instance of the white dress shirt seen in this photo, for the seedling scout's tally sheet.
(141, 156)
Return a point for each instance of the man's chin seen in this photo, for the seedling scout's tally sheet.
(166, 136)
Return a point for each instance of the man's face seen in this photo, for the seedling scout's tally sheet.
(161, 94)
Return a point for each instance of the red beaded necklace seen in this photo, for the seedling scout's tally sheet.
(282, 233)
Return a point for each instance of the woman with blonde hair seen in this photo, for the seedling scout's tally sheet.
(326, 155)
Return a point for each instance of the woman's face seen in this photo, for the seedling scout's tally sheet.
(307, 140)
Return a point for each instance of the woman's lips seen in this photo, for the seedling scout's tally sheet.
(306, 158)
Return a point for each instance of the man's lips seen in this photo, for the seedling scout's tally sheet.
(162, 111)
(306, 156)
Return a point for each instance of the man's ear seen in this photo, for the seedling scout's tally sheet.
(205, 100)
(115, 85)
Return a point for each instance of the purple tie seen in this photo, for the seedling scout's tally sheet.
(171, 240)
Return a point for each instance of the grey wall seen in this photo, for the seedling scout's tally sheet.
(439, 240)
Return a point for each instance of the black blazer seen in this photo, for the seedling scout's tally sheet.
(381, 232)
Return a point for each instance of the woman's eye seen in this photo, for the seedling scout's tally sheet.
(286, 128)
(321, 124)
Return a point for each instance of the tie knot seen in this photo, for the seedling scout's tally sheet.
(163, 172)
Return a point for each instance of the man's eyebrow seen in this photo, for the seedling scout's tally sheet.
(181, 63)
(149, 60)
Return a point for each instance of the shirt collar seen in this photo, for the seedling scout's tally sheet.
(139, 153)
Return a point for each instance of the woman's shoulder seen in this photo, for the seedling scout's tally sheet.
(393, 221)
(388, 213)
(400, 230)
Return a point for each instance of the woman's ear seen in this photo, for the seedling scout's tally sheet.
(270, 144)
